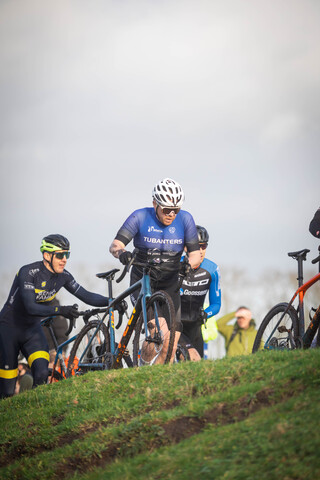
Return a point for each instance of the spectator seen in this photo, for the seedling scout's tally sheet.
(25, 378)
(239, 338)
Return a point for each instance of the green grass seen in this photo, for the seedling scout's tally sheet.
(253, 417)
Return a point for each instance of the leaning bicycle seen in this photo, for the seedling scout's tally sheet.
(284, 325)
(151, 325)
(59, 369)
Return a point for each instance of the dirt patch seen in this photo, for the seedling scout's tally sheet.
(11, 454)
(171, 432)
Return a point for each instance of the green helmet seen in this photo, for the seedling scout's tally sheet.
(54, 242)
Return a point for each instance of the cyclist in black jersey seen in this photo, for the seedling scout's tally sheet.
(195, 286)
(161, 232)
(30, 299)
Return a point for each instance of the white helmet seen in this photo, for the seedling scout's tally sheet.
(168, 193)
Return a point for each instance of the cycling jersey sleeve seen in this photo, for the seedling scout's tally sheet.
(90, 298)
(191, 236)
(130, 228)
(214, 294)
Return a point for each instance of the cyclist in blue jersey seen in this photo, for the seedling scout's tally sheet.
(194, 288)
(160, 233)
(30, 299)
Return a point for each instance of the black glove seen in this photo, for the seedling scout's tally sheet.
(125, 257)
(203, 316)
(70, 312)
(184, 268)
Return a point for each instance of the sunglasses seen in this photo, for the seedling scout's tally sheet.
(61, 255)
(203, 246)
(168, 211)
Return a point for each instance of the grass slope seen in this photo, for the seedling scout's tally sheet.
(254, 417)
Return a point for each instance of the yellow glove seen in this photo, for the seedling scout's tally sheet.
(209, 329)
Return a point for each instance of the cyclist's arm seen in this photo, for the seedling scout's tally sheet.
(116, 248)
(314, 227)
(126, 233)
(90, 298)
(191, 240)
(194, 258)
(214, 294)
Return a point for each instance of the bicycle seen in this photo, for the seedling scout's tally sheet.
(284, 326)
(60, 362)
(146, 321)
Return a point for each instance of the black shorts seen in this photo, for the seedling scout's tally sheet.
(191, 337)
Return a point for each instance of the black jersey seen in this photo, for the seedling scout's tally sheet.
(33, 290)
(194, 289)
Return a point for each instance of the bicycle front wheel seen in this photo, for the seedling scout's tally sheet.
(276, 333)
(91, 349)
(155, 345)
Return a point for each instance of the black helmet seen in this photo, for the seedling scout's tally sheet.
(203, 235)
(54, 242)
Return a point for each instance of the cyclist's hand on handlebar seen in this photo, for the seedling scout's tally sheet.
(203, 315)
(122, 307)
(184, 268)
(70, 311)
(125, 257)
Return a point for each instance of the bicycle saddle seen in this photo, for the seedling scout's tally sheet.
(110, 274)
(300, 254)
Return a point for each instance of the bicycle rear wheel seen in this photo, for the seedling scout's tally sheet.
(84, 357)
(274, 334)
(155, 346)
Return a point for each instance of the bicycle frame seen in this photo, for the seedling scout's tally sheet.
(117, 351)
(300, 293)
(59, 348)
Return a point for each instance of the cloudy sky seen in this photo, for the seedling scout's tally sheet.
(101, 99)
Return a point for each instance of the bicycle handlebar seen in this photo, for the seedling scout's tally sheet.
(127, 267)
(316, 260)
(146, 265)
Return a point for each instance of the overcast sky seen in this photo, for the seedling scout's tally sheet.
(101, 99)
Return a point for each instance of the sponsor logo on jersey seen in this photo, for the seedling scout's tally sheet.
(43, 284)
(44, 296)
(164, 241)
(13, 296)
(194, 293)
(153, 229)
(28, 286)
(197, 283)
(200, 274)
(34, 271)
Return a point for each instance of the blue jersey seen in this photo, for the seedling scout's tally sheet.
(194, 288)
(163, 244)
